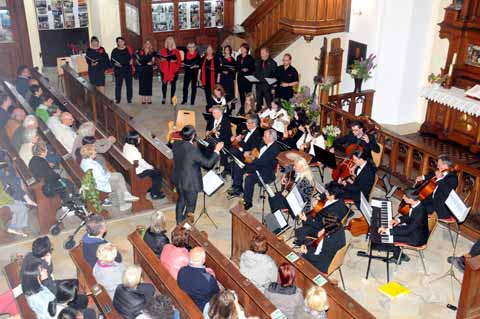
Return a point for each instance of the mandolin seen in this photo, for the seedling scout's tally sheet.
(254, 154)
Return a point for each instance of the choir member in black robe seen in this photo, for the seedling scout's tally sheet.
(287, 78)
(226, 76)
(209, 69)
(191, 66)
(98, 63)
(144, 62)
(265, 68)
(245, 67)
(122, 65)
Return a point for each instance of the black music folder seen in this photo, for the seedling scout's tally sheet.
(237, 120)
(325, 157)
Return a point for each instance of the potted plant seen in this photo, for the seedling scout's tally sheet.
(361, 70)
(90, 193)
(331, 132)
(436, 80)
(304, 100)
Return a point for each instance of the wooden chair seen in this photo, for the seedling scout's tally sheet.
(337, 262)
(61, 62)
(432, 225)
(185, 117)
(377, 157)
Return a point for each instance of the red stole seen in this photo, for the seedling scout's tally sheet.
(212, 72)
(169, 68)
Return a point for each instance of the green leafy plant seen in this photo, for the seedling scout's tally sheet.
(89, 191)
(436, 79)
(362, 69)
(306, 101)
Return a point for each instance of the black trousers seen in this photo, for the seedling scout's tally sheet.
(303, 232)
(120, 76)
(228, 83)
(156, 177)
(190, 79)
(208, 96)
(263, 92)
(173, 87)
(186, 203)
(475, 250)
(244, 87)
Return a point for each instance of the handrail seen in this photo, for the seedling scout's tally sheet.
(352, 99)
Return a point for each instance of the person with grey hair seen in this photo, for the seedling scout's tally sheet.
(65, 133)
(15, 121)
(30, 138)
(265, 166)
(53, 122)
(102, 145)
(18, 138)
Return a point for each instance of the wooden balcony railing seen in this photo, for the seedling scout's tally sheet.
(405, 159)
(353, 103)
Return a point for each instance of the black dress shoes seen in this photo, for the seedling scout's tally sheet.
(157, 196)
(394, 259)
(247, 206)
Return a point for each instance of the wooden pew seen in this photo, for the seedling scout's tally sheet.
(87, 281)
(139, 186)
(245, 227)
(116, 122)
(469, 301)
(249, 296)
(161, 278)
(12, 273)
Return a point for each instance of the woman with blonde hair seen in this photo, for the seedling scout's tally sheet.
(155, 236)
(250, 106)
(316, 304)
(144, 63)
(107, 271)
(170, 62)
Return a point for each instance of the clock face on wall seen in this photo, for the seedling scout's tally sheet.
(255, 3)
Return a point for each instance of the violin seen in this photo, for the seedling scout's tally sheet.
(317, 208)
(254, 154)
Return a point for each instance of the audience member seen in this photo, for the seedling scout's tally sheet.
(155, 236)
(88, 129)
(37, 96)
(283, 293)
(38, 296)
(459, 262)
(159, 307)
(42, 109)
(144, 169)
(175, 255)
(65, 298)
(15, 121)
(65, 133)
(131, 296)
(19, 212)
(5, 103)
(316, 305)
(53, 122)
(194, 279)
(96, 228)
(224, 305)
(113, 183)
(30, 138)
(107, 271)
(30, 122)
(41, 170)
(256, 265)
(23, 76)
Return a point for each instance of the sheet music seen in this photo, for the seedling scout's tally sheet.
(457, 206)
(267, 187)
(295, 201)
(365, 208)
(319, 247)
(280, 219)
(251, 78)
(211, 182)
(270, 81)
(17, 291)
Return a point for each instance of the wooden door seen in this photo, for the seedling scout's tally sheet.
(14, 42)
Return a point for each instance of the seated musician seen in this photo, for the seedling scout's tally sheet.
(446, 179)
(277, 116)
(250, 140)
(220, 129)
(411, 229)
(362, 177)
(332, 206)
(358, 135)
(296, 128)
(218, 96)
(312, 136)
(265, 165)
(321, 254)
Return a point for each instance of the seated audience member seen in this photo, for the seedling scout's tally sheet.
(160, 307)
(256, 265)
(283, 293)
(5, 103)
(113, 183)
(22, 83)
(39, 166)
(107, 271)
(38, 296)
(96, 228)
(224, 305)
(196, 281)
(131, 296)
(53, 122)
(19, 212)
(175, 255)
(316, 304)
(42, 109)
(26, 150)
(68, 313)
(37, 96)
(459, 262)
(65, 298)
(102, 146)
(30, 122)
(65, 133)
(155, 236)
(15, 121)
(31, 82)
(144, 169)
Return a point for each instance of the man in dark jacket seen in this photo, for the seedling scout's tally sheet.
(187, 174)
(265, 67)
(221, 130)
(446, 181)
(196, 281)
(358, 135)
(23, 78)
(5, 103)
(411, 229)
(96, 230)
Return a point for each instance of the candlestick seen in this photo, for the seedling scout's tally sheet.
(450, 70)
(454, 60)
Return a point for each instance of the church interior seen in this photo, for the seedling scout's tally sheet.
(406, 74)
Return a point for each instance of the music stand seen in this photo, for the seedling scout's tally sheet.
(276, 223)
(325, 157)
(211, 183)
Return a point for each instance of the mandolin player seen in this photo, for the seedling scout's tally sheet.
(220, 129)
(446, 180)
(358, 135)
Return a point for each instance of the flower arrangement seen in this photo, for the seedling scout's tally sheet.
(89, 191)
(362, 69)
(325, 84)
(331, 132)
(436, 79)
(305, 100)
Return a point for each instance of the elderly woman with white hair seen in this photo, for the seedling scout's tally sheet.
(107, 271)
(18, 138)
(102, 146)
(155, 236)
(30, 138)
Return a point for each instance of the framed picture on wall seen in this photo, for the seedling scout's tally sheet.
(356, 51)
(473, 55)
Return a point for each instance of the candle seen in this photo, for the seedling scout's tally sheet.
(454, 60)
(450, 70)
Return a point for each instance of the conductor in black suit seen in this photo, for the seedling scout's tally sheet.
(357, 134)
(447, 180)
(221, 130)
(265, 67)
(187, 175)
(361, 179)
(411, 229)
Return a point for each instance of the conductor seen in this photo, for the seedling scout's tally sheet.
(187, 175)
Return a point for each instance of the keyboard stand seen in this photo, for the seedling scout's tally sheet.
(388, 248)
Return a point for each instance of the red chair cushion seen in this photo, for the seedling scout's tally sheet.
(449, 220)
(405, 245)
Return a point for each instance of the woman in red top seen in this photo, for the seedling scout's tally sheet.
(209, 69)
(170, 61)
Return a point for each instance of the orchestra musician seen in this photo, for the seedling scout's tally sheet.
(98, 63)
(333, 206)
(264, 68)
(191, 65)
(209, 68)
(360, 136)
(362, 177)
(187, 176)
(226, 77)
(446, 180)
(170, 62)
(332, 239)
(122, 61)
(296, 127)
(287, 78)
(247, 141)
(218, 97)
(411, 229)
(144, 61)
(245, 67)
(221, 130)
(278, 117)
